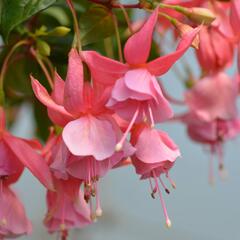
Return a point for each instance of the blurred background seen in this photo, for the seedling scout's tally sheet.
(198, 211)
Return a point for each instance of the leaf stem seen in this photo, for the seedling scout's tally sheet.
(115, 22)
(127, 18)
(43, 67)
(76, 25)
(5, 66)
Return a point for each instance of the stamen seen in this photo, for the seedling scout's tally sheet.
(211, 171)
(222, 171)
(119, 145)
(153, 190)
(168, 222)
(151, 117)
(98, 205)
(164, 186)
(171, 181)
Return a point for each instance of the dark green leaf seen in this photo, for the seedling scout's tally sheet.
(96, 24)
(14, 12)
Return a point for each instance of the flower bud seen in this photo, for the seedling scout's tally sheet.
(183, 29)
(198, 15)
(59, 31)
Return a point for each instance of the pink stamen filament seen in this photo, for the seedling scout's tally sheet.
(119, 145)
(171, 181)
(211, 171)
(98, 205)
(153, 189)
(168, 222)
(164, 186)
(151, 116)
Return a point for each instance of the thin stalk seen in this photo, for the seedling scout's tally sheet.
(115, 22)
(5, 66)
(76, 25)
(43, 67)
(127, 18)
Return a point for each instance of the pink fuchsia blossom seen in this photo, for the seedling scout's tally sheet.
(212, 134)
(13, 219)
(89, 129)
(212, 118)
(136, 94)
(67, 208)
(213, 97)
(17, 153)
(209, 55)
(235, 17)
(155, 155)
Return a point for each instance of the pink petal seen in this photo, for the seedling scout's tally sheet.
(140, 81)
(138, 46)
(13, 212)
(58, 89)
(213, 97)
(89, 136)
(73, 91)
(161, 65)
(155, 146)
(43, 96)
(104, 70)
(29, 158)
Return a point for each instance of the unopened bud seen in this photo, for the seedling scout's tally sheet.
(199, 15)
(184, 29)
(59, 31)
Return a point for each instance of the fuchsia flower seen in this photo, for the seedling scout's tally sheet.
(67, 208)
(212, 118)
(209, 55)
(136, 94)
(13, 219)
(17, 153)
(214, 97)
(155, 155)
(86, 149)
(235, 18)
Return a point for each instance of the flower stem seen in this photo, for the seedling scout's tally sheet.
(115, 22)
(43, 67)
(76, 26)
(5, 66)
(127, 18)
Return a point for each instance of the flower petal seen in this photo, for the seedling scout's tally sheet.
(29, 158)
(73, 91)
(43, 96)
(104, 70)
(58, 89)
(138, 46)
(89, 136)
(161, 65)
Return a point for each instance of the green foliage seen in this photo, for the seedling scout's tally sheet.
(14, 12)
(96, 24)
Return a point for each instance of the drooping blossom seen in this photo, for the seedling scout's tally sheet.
(13, 220)
(67, 208)
(17, 153)
(86, 148)
(212, 118)
(209, 55)
(155, 155)
(136, 95)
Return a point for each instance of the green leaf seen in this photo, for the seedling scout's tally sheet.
(14, 12)
(96, 24)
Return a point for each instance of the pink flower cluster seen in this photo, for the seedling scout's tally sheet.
(109, 121)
